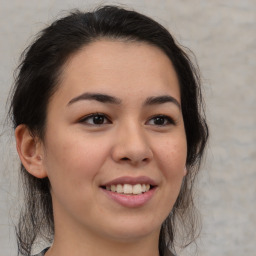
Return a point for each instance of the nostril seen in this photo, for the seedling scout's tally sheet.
(125, 158)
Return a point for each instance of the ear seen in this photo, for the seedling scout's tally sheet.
(30, 151)
(185, 171)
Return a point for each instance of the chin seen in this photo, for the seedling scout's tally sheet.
(129, 231)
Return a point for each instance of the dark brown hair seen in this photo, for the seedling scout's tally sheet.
(37, 80)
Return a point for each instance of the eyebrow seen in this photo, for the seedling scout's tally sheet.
(156, 100)
(105, 98)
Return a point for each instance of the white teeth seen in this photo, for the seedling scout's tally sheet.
(129, 189)
(137, 189)
(119, 188)
(113, 188)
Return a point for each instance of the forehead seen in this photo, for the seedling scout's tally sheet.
(119, 67)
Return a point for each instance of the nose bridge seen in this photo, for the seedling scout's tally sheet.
(131, 143)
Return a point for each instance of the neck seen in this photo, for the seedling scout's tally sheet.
(91, 246)
(76, 241)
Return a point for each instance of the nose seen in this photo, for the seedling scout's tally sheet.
(131, 146)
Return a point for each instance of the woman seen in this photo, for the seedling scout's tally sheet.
(110, 132)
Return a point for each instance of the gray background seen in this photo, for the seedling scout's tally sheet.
(222, 34)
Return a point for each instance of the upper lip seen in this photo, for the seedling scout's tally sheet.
(131, 180)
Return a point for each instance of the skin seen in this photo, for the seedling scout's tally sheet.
(79, 156)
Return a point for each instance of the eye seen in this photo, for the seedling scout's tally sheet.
(95, 119)
(161, 120)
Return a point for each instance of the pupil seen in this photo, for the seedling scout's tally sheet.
(98, 119)
(159, 121)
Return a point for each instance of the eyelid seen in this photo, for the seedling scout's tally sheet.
(170, 120)
(85, 118)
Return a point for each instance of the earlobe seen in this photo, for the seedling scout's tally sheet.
(185, 171)
(30, 151)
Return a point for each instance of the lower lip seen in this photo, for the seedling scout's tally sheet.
(131, 200)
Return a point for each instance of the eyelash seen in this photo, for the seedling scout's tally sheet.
(167, 120)
(94, 115)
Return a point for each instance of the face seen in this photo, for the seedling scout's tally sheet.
(115, 146)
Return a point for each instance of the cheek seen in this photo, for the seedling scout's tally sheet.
(171, 159)
(171, 156)
(74, 160)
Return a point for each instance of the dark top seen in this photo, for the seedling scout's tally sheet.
(42, 253)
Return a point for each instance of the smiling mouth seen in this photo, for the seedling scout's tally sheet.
(128, 189)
